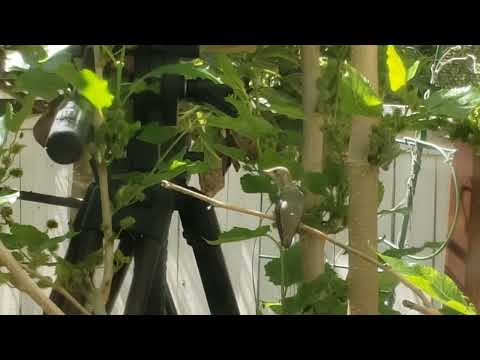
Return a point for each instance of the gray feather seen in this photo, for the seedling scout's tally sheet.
(289, 211)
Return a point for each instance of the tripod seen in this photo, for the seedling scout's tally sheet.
(147, 241)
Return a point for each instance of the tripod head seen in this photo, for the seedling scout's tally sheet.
(71, 126)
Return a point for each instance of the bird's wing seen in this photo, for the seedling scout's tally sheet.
(289, 211)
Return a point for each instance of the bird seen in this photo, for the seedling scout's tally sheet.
(289, 207)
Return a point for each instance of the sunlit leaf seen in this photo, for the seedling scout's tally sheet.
(433, 283)
(412, 70)
(95, 90)
(397, 73)
(356, 95)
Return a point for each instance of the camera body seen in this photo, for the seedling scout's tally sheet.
(71, 127)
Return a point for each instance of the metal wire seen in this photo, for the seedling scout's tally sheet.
(448, 155)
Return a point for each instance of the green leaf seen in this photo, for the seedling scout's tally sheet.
(154, 134)
(245, 124)
(278, 52)
(287, 158)
(253, 184)
(282, 103)
(387, 282)
(188, 70)
(30, 237)
(127, 222)
(316, 182)
(44, 283)
(4, 120)
(387, 310)
(292, 258)
(95, 89)
(40, 83)
(120, 260)
(457, 103)
(240, 234)
(356, 95)
(292, 137)
(412, 70)
(399, 253)
(32, 54)
(397, 73)
(15, 122)
(276, 307)
(433, 283)
(231, 152)
(61, 65)
(8, 196)
(230, 75)
(324, 295)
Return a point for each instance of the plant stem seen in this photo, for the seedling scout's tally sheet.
(108, 243)
(282, 270)
(302, 228)
(421, 309)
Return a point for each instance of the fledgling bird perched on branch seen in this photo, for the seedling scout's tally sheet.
(290, 204)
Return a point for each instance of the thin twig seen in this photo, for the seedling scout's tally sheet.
(72, 300)
(60, 289)
(420, 308)
(108, 244)
(304, 228)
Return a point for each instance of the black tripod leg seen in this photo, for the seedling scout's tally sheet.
(126, 246)
(149, 272)
(160, 297)
(200, 222)
(149, 255)
(79, 248)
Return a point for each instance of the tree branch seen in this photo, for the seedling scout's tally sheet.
(108, 242)
(303, 228)
(24, 283)
(420, 308)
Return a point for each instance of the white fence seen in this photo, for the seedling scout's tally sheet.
(428, 223)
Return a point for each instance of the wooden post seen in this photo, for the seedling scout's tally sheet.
(362, 215)
(312, 155)
(462, 262)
